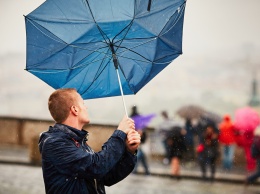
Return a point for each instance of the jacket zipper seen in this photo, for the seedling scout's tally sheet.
(95, 180)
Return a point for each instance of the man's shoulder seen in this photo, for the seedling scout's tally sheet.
(51, 136)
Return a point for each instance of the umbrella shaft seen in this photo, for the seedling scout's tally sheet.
(114, 55)
(121, 90)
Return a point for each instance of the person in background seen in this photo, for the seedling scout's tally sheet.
(255, 152)
(69, 164)
(244, 139)
(189, 140)
(176, 147)
(227, 139)
(163, 130)
(208, 151)
(141, 156)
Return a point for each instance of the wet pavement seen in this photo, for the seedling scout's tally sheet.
(19, 177)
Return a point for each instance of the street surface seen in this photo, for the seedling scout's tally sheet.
(19, 179)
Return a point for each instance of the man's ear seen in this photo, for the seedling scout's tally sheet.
(74, 110)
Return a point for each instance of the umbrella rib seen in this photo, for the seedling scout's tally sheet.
(133, 52)
(92, 51)
(98, 74)
(130, 49)
(154, 62)
(127, 27)
(100, 30)
(61, 41)
(105, 56)
(35, 70)
(178, 10)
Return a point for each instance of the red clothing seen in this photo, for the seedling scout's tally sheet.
(226, 129)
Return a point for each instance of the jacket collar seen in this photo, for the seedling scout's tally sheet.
(72, 132)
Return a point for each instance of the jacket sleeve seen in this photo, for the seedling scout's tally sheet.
(121, 170)
(72, 160)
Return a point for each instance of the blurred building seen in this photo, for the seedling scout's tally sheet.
(254, 101)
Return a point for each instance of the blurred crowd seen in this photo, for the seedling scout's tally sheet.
(207, 139)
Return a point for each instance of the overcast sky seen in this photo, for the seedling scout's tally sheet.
(221, 49)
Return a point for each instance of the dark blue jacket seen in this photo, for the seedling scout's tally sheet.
(70, 166)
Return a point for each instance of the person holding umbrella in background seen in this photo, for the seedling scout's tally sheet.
(245, 122)
(69, 164)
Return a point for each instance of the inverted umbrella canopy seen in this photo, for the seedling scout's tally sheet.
(79, 43)
(246, 119)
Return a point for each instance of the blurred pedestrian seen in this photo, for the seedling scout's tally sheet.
(245, 122)
(244, 139)
(255, 152)
(69, 164)
(141, 156)
(227, 139)
(208, 151)
(189, 140)
(176, 147)
(163, 129)
(203, 123)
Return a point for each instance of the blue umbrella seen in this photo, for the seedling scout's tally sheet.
(91, 45)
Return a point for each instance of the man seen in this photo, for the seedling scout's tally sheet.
(69, 165)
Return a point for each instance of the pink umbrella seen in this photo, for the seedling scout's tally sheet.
(246, 119)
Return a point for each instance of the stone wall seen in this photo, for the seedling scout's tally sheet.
(25, 132)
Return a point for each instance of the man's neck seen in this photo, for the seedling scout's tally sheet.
(73, 123)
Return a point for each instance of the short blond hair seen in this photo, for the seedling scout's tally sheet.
(60, 102)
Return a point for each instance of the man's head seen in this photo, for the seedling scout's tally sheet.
(67, 103)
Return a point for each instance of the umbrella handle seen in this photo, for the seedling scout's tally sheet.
(121, 90)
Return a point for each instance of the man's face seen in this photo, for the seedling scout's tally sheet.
(83, 114)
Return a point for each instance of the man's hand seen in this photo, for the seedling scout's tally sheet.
(126, 125)
(133, 141)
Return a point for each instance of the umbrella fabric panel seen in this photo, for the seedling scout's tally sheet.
(64, 13)
(153, 20)
(106, 85)
(112, 10)
(41, 46)
(51, 52)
